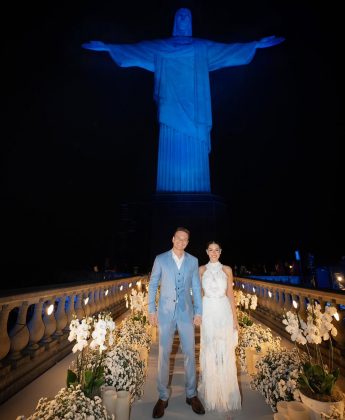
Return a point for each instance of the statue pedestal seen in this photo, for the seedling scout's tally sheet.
(203, 214)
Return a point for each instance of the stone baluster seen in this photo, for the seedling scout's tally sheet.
(102, 298)
(92, 305)
(106, 298)
(280, 310)
(275, 303)
(340, 326)
(60, 316)
(288, 301)
(270, 296)
(36, 326)
(78, 307)
(86, 305)
(96, 299)
(118, 293)
(49, 322)
(70, 312)
(5, 342)
(19, 334)
(264, 298)
(112, 295)
(303, 302)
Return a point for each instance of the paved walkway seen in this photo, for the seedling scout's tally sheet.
(253, 404)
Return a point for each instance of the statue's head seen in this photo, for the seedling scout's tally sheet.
(183, 23)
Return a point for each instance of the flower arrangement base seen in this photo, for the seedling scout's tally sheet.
(282, 407)
(250, 352)
(280, 416)
(298, 411)
(109, 398)
(317, 407)
(122, 409)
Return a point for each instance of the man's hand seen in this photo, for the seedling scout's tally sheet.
(153, 320)
(197, 320)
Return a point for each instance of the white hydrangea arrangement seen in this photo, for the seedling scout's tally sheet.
(254, 336)
(277, 376)
(125, 370)
(134, 334)
(70, 403)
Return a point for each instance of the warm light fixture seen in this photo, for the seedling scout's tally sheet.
(86, 301)
(340, 278)
(121, 288)
(50, 309)
(106, 292)
(294, 303)
(336, 316)
(269, 293)
(254, 289)
(242, 286)
(130, 285)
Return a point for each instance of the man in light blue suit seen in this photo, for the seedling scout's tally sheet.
(176, 272)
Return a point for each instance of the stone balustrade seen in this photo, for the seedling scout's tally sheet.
(275, 299)
(34, 326)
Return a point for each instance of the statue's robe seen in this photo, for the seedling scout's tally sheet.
(181, 69)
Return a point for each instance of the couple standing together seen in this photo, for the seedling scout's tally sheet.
(210, 306)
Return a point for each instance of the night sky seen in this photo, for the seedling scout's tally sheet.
(80, 134)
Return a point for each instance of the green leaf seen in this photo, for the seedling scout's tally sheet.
(88, 376)
(304, 382)
(71, 378)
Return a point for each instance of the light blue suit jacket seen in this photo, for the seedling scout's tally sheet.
(164, 274)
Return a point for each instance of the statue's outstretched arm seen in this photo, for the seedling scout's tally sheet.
(95, 46)
(269, 41)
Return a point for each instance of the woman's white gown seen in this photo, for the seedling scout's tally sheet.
(218, 384)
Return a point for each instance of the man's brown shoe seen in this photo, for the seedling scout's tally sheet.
(197, 407)
(158, 409)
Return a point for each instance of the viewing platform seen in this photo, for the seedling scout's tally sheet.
(35, 367)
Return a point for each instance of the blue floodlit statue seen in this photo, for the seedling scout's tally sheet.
(181, 66)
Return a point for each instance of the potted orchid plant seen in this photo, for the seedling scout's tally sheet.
(245, 303)
(317, 379)
(93, 335)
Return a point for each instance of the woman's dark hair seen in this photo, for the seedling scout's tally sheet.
(213, 243)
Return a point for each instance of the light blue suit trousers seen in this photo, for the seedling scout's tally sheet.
(176, 310)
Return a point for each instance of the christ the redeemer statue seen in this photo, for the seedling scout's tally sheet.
(181, 66)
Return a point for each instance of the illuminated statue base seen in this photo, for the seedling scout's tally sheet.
(203, 214)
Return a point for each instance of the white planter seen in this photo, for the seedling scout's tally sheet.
(122, 406)
(250, 352)
(298, 410)
(282, 407)
(317, 407)
(109, 398)
(280, 416)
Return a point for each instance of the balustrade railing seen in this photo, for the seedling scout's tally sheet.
(275, 299)
(34, 326)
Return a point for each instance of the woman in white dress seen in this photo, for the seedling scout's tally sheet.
(218, 384)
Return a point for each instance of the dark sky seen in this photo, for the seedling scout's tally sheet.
(80, 134)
